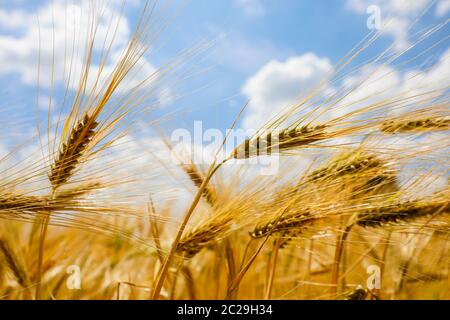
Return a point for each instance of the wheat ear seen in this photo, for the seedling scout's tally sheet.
(418, 125)
(193, 242)
(14, 264)
(71, 151)
(341, 167)
(277, 142)
(283, 225)
(62, 169)
(197, 178)
(401, 212)
(11, 203)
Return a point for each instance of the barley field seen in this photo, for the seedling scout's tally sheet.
(339, 192)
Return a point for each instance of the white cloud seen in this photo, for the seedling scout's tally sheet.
(395, 7)
(436, 77)
(369, 85)
(375, 84)
(13, 20)
(3, 151)
(398, 15)
(277, 85)
(442, 8)
(60, 37)
(252, 8)
(61, 29)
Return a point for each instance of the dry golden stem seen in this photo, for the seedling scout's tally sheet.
(175, 280)
(384, 257)
(234, 287)
(273, 265)
(42, 237)
(62, 169)
(45, 217)
(342, 237)
(165, 267)
(190, 282)
(119, 284)
(231, 263)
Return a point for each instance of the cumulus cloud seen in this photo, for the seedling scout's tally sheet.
(394, 7)
(13, 20)
(435, 77)
(442, 8)
(277, 85)
(398, 15)
(53, 33)
(376, 83)
(55, 39)
(252, 8)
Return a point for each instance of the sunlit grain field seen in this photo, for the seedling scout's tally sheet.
(108, 191)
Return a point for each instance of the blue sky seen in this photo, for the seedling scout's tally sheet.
(253, 38)
(264, 52)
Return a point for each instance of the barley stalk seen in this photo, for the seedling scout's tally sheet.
(62, 169)
(165, 267)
